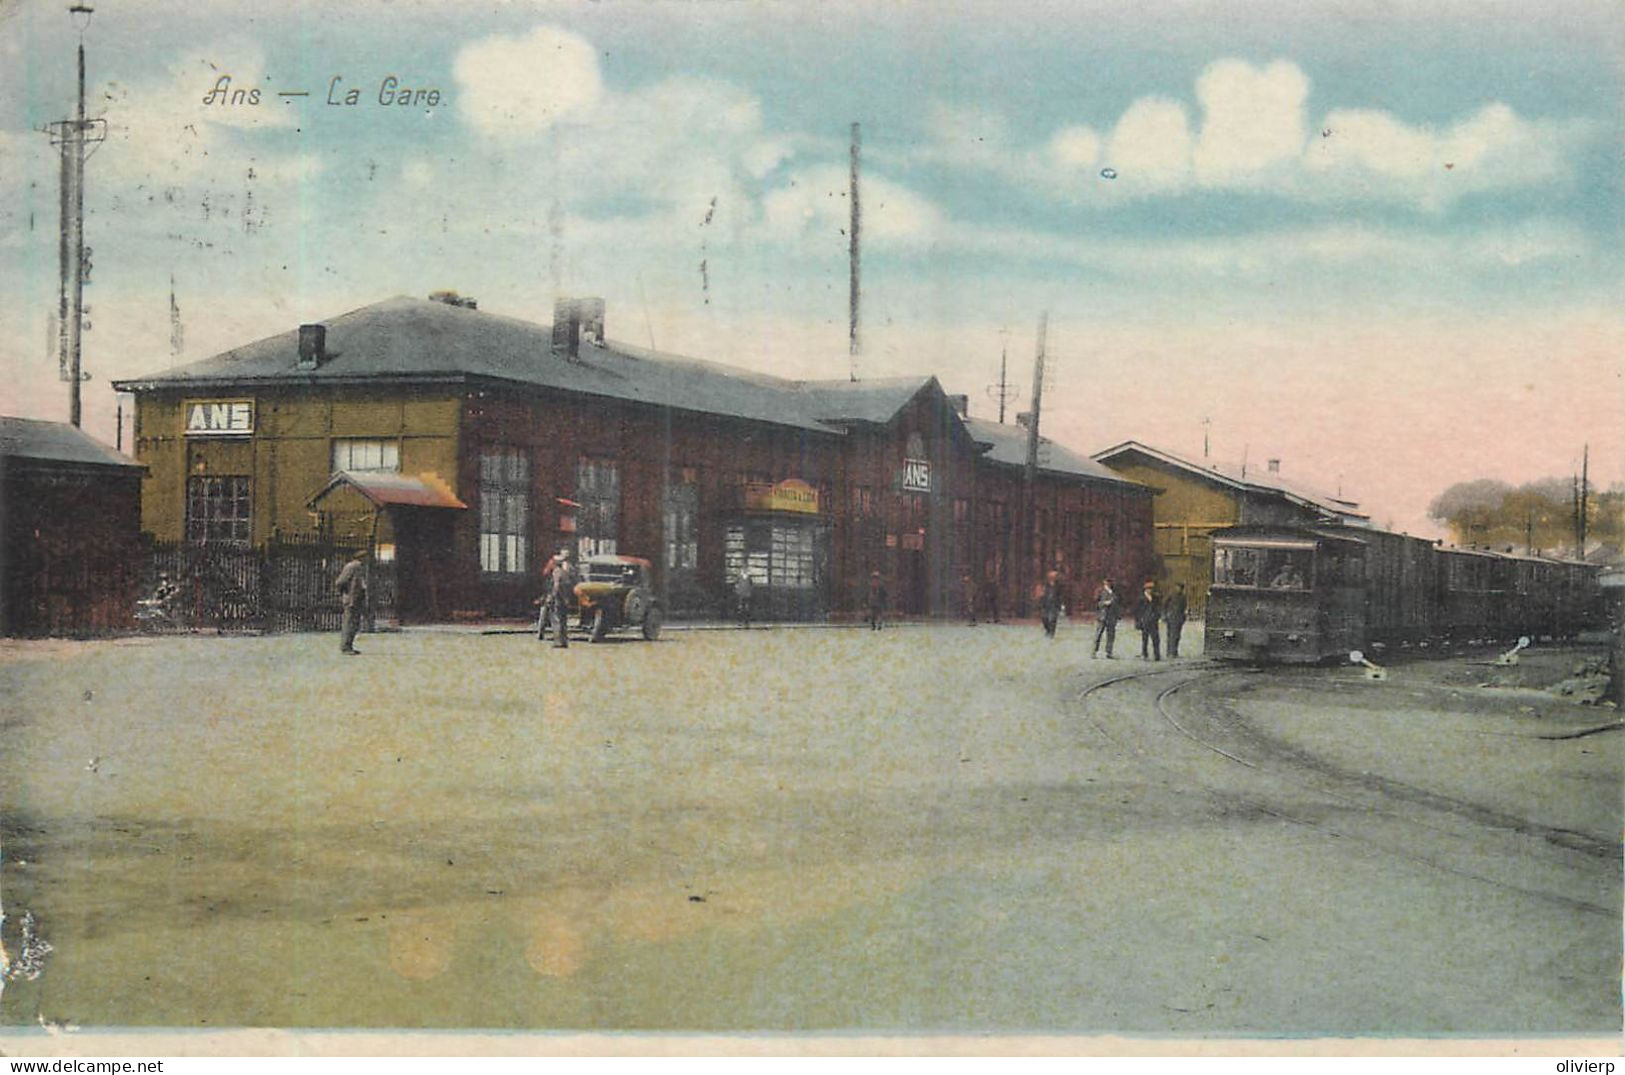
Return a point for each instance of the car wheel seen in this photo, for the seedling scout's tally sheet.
(651, 624)
(600, 624)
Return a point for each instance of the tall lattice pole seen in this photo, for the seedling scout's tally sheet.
(853, 255)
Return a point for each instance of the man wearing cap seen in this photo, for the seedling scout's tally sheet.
(352, 589)
(1107, 613)
(558, 596)
(1049, 603)
(1146, 615)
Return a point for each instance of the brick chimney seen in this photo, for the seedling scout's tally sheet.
(566, 328)
(961, 405)
(1275, 466)
(312, 346)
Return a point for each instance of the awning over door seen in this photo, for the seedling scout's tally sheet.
(393, 490)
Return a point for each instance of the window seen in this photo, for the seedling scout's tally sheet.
(863, 500)
(1263, 568)
(366, 455)
(218, 510)
(504, 511)
(682, 532)
(598, 519)
(772, 554)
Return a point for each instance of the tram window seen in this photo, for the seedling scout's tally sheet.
(1235, 567)
(1287, 569)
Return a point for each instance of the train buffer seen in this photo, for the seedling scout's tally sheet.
(1372, 671)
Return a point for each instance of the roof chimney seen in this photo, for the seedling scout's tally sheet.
(591, 312)
(1275, 466)
(452, 298)
(566, 328)
(961, 405)
(312, 346)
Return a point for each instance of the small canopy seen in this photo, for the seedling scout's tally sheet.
(394, 490)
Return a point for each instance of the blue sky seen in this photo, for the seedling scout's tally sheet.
(1382, 246)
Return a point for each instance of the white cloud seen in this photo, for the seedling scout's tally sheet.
(523, 85)
(1252, 120)
(814, 202)
(1252, 132)
(1151, 146)
(1368, 154)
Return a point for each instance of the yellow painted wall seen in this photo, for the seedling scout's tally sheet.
(289, 457)
(1184, 513)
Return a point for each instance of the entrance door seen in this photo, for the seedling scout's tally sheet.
(913, 582)
(423, 559)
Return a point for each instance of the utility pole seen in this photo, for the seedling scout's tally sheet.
(1004, 391)
(852, 255)
(1585, 498)
(73, 135)
(1030, 483)
(1206, 422)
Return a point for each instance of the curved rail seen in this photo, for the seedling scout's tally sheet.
(1397, 801)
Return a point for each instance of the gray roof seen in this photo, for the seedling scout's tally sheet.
(1251, 480)
(417, 339)
(422, 340)
(57, 442)
(1009, 446)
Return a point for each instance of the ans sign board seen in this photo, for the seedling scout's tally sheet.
(219, 417)
(917, 475)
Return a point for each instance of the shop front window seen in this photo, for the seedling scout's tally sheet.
(772, 554)
(682, 531)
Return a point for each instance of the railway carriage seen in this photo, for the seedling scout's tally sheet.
(1473, 586)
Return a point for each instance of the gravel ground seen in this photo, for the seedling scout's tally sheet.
(914, 830)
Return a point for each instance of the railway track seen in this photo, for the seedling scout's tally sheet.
(1196, 733)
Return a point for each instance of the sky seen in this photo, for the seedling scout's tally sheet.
(1379, 242)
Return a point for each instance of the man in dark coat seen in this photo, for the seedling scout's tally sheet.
(1146, 615)
(1107, 613)
(877, 601)
(352, 589)
(558, 596)
(967, 587)
(1173, 614)
(1049, 602)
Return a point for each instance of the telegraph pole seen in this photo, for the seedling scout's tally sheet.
(1585, 469)
(852, 256)
(1004, 391)
(1029, 509)
(73, 135)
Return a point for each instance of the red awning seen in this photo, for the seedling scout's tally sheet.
(392, 490)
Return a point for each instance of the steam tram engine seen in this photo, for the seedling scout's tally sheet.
(1307, 594)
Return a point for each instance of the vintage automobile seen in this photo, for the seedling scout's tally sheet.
(616, 593)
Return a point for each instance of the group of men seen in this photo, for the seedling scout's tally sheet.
(1149, 612)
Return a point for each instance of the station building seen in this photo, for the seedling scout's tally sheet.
(466, 446)
(1193, 499)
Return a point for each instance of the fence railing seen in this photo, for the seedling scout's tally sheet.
(284, 585)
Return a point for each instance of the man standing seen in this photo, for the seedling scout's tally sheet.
(1049, 602)
(1107, 613)
(558, 596)
(743, 589)
(967, 588)
(1146, 615)
(545, 613)
(352, 589)
(1174, 616)
(877, 600)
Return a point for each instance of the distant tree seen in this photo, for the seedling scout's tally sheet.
(1537, 515)
(1471, 509)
